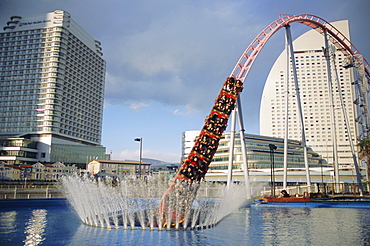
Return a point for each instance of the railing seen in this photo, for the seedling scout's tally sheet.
(210, 192)
(26, 186)
(328, 189)
(51, 191)
(22, 192)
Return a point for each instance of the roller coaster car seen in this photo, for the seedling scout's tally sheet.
(184, 189)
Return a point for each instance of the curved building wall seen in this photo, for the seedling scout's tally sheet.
(315, 100)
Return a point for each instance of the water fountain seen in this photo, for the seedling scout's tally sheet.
(133, 203)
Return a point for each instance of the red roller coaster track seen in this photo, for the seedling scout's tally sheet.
(342, 43)
(178, 198)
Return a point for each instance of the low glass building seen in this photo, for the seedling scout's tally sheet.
(259, 159)
(258, 152)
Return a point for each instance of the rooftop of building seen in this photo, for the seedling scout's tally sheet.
(120, 162)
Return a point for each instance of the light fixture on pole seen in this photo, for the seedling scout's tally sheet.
(141, 150)
(272, 148)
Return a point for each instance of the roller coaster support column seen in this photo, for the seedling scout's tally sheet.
(346, 123)
(243, 146)
(231, 149)
(291, 50)
(286, 129)
(332, 113)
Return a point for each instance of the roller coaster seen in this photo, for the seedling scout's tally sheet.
(181, 193)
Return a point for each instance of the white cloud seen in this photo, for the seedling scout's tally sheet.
(177, 112)
(138, 105)
(179, 58)
(184, 111)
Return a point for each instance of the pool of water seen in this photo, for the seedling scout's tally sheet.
(59, 225)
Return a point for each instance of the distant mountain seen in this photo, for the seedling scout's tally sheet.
(162, 165)
(155, 162)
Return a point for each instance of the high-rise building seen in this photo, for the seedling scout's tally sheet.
(316, 98)
(52, 78)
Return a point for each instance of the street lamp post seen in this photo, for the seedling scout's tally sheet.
(272, 148)
(322, 179)
(141, 150)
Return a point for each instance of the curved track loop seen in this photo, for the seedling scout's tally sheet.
(179, 197)
(247, 59)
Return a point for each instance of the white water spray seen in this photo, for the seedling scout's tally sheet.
(132, 203)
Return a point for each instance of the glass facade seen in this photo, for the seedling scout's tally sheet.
(258, 153)
(18, 151)
(76, 153)
(18, 142)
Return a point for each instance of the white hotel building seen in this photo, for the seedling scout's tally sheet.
(315, 98)
(52, 78)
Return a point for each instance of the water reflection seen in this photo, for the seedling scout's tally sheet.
(247, 226)
(87, 235)
(35, 227)
(250, 226)
(7, 219)
(313, 226)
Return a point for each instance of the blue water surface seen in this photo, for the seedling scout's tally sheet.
(248, 226)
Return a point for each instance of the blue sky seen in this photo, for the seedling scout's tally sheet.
(166, 59)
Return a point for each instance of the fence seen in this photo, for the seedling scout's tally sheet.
(51, 191)
(322, 188)
(29, 192)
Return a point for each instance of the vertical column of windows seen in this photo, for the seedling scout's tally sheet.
(50, 98)
(82, 117)
(22, 63)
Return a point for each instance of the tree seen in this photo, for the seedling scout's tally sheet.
(364, 153)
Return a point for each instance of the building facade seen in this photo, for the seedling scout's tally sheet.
(18, 150)
(258, 152)
(259, 160)
(36, 171)
(52, 78)
(116, 169)
(280, 99)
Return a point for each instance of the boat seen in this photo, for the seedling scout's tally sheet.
(269, 199)
(284, 197)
